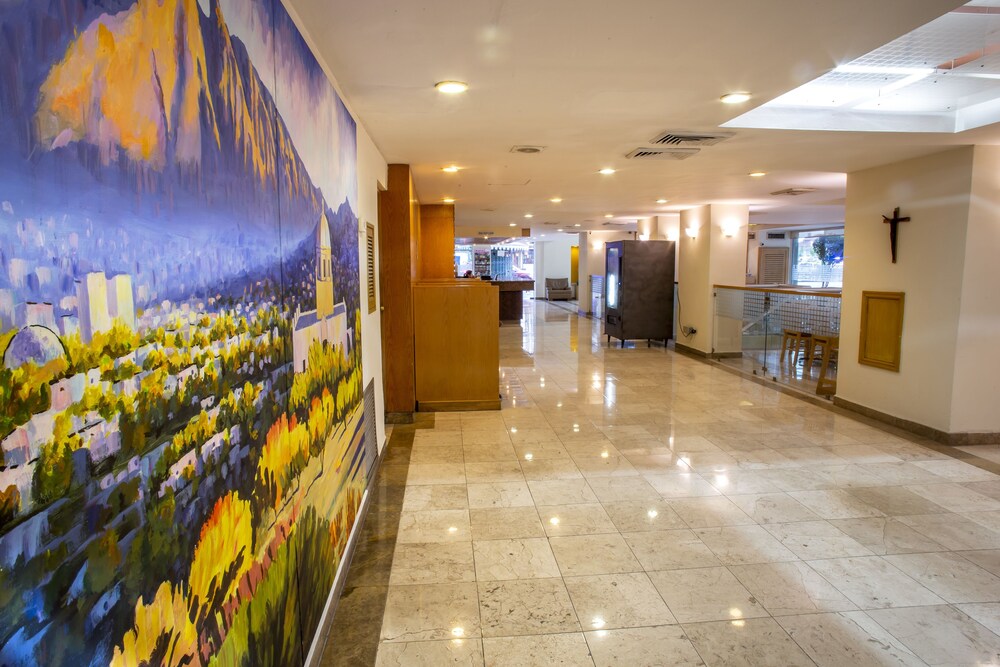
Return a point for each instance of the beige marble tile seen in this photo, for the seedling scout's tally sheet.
(986, 614)
(740, 482)
(941, 635)
(954, 531)
(640, 516)
(746, 643)
(682, 485)
(561, 492)
(643, 647)
(433, 526)
(568, 649)
(542, 451)
(773, 508)
(550, 469)
(433, 438)
(465, 652)
(499, 494)
(443, 454)
(950, 576)
(810, 540)
(585, 519)
(610, 466)
(886, 536)
(502, 560)
(488, 453)
(432, 563)
(493, 471)
(957, 471)
(436, 497)
(485, 437)
(873, 583)
(896, 501)
(710, 512)
(741, 545)
(955, 497)
(790, 588)
(835, 504)
(505, 523)
(525, 607)
(847, 638)
(593, 554)
(435, 473)
(989, 559)
(425, 612)
(622, 600)
(706, 594)
(621, 489)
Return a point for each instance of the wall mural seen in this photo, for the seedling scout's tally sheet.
(180, 392)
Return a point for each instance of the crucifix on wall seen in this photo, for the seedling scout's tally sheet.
(894, 229)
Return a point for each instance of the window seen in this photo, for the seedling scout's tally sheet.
(818, 258)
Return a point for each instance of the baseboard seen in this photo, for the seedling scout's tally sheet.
(458, 406)
(922, 430)
(399, 418)
(330, 609)
(690, 351)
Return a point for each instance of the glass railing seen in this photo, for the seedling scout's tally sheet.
(779, 332)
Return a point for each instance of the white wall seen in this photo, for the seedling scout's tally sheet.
(552, 260)
(592, 260)
(709, 258)
(934, 191)
(763, 242)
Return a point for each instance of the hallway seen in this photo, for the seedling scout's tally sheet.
(638, 507)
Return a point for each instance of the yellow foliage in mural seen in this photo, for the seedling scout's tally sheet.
(223, 552)
(163, 633)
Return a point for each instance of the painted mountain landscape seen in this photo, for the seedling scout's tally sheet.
(182, 451)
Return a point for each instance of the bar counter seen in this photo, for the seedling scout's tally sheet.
(512, 298)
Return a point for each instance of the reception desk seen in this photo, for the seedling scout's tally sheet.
(456, 345)
(512, 298)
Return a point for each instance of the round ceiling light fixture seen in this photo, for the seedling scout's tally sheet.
(448, 200)
(513, 224)
(735, 98)
(609, 215)
(577, 224)
(453, 169)
(662, 201)
(556, 200)
(451, 87)
(529, 215)
(757, 174)
(607, 171)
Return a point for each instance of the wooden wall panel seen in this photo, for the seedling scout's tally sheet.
(437, 242)
(397, 228)
(456, 333)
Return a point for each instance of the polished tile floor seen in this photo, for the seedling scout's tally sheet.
(638, 507)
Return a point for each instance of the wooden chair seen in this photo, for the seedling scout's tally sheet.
(831, 349)
(794, 342)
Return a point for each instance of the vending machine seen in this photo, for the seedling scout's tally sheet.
(639, 291)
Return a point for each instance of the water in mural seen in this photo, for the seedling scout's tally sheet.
(180, 393)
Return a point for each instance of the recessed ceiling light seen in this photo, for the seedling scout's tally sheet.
(662, 201)
(448, 200)
(451, 170)
(513, 224)
(556, 200)
(735, 98)
(529, 215)
(577, 224)
(607, 171)
(451, 87)
(608, 215)
(758, 174)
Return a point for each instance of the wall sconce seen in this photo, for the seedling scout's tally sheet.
(729, 230)
(596, 245)
(643, 237)
(692, 232)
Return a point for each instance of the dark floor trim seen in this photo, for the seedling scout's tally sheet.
(944, 437)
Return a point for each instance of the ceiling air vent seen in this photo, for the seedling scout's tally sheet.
(662, 153)
(775, 235)
(616, 223)
(527, 150)
(686, 138)
(793, 192)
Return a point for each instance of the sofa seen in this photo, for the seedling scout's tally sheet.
(558, 289)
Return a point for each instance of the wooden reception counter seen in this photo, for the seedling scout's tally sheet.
(457, 345)
(512, 298)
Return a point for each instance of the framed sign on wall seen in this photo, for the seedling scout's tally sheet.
(881, 329)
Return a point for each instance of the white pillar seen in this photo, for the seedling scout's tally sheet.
(711, 250)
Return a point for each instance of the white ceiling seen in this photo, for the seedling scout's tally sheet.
(593, 80)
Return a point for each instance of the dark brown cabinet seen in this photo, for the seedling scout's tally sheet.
(639, 290)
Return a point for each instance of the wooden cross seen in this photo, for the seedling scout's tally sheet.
(893, 230)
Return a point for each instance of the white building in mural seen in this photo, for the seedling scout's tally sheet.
(92, 302)
(121, 304)
(328, 323)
